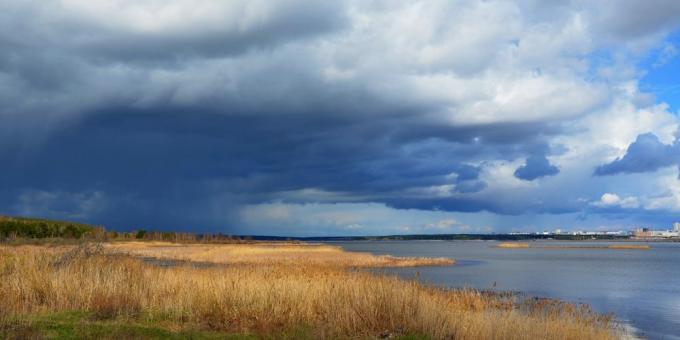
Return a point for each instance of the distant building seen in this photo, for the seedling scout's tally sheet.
(664, 233)
(647, 233)
(642, 232)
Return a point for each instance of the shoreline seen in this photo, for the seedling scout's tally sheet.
(505, 240)
(528, 245)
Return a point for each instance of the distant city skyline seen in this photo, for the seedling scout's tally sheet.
(313, 118)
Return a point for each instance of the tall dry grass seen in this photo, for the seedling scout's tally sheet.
(265, 299)
(269, 254)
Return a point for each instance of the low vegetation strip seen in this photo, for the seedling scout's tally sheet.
(519, 245)
(630, 246)
(512, 245)
(269, 300)
(78, 325)
(13, 227)
(272, 253)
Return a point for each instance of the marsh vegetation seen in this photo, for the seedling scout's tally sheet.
(270, 291)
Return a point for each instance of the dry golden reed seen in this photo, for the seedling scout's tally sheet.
(629, 246)
(332, 301)
(512, 245)
(271, 253)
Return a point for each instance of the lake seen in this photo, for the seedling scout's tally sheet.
(641, 287)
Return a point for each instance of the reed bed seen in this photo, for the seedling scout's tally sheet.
(270, 254)
(512, 245)
(264, 300)
(630, 246)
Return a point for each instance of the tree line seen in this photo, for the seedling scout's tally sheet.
(18, 227)
(12, 228)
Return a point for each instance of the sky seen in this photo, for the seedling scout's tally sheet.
(346, 117)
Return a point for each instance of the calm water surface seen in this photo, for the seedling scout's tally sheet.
(642, 287)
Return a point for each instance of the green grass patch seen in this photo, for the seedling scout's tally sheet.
(85, 325)
(82, 325)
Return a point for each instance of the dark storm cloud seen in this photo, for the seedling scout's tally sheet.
(647, 153)
(278, 128)
(536, 166)
(169, 159)
(475, 203)
(174, 114)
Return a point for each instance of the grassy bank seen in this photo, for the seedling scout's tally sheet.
(85, 325)
(267, 299)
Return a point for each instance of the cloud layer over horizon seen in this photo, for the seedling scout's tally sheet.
(345, 117)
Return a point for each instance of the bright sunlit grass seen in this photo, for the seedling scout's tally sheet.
(266, 299)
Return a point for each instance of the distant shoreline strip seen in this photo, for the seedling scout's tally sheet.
(519, 245)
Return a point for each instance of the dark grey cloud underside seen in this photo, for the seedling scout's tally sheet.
(165, 159)
(536, 166)
(647, 153)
